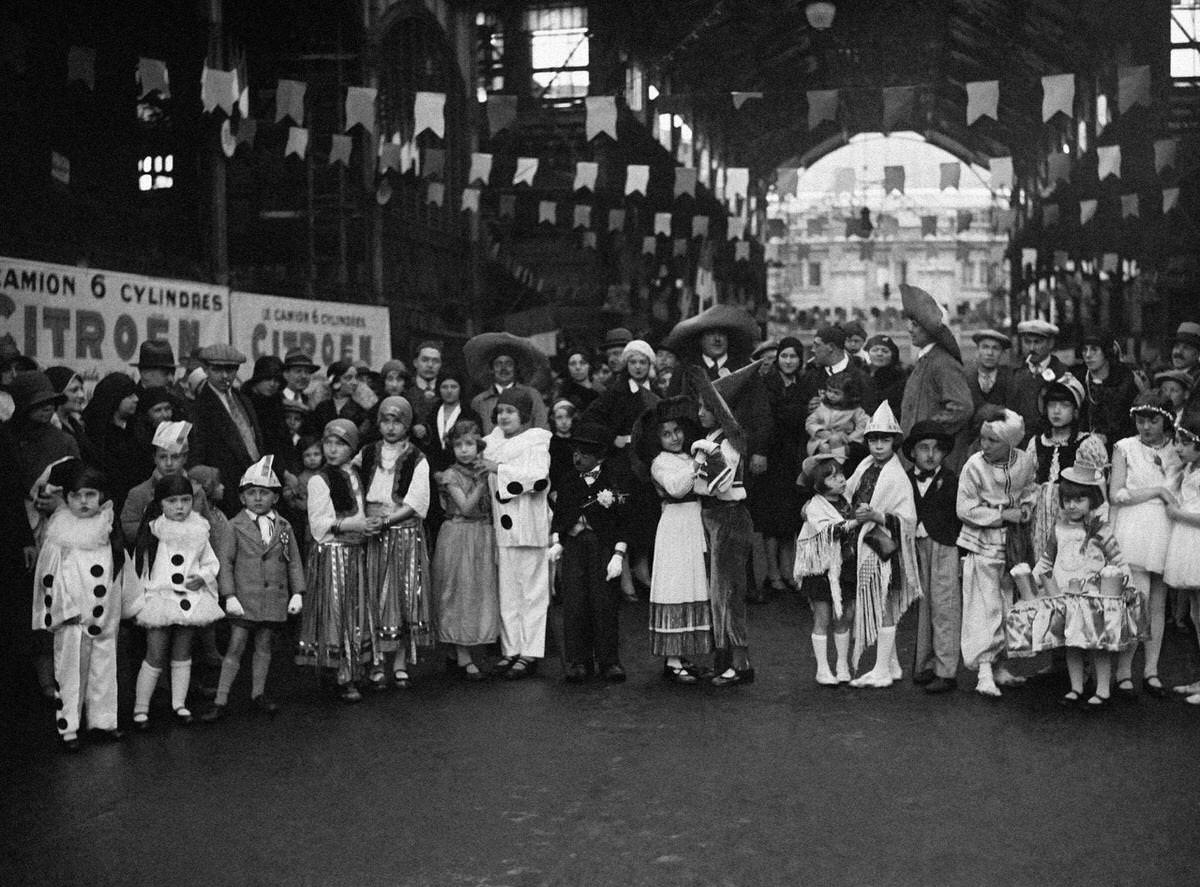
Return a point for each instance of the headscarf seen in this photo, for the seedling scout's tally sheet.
(109, 392)
(638, 346)
(60, 377)
(1010, 428)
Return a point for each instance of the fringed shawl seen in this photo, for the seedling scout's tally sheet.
(893, 496)
(819, 548)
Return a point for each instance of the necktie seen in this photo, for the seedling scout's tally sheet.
(266, 527)
(242, 421)
(590, 477)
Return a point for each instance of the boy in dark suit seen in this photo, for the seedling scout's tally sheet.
(261, 582)
(940, 610)
(590, 524)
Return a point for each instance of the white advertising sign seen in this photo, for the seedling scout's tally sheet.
(94, 321)
(326, 331)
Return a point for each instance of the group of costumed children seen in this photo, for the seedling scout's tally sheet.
(1049, 561)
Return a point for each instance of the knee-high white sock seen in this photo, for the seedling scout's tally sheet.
(147, 680)
(820, 645)
(841, 642)
(181, 676)
(894, 663)
(258, 674)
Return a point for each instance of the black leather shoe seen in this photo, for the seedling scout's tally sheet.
(265, 704)
(941, 685)
(72, 745)
(1158, 691)
(921, 678)
(725, 679)
(681, 674)
(614, 673)
(212, 714)
(576, 673)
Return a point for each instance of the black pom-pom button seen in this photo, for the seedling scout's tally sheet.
(97, 570)
(48, 580)
(177, 579)
(515, 488)
(540, 485)
(97, 612)
(185, 605)
(506, 521)
(93, 630)
(99, 591)
(177, 560)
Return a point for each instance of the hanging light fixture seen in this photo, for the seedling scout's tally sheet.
(820, 14)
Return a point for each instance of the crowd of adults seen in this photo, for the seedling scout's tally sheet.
(774, 388)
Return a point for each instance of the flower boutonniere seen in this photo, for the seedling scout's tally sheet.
(1048, 375)
(605, 498)
(285, 539)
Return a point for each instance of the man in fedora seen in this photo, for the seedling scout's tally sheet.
(226, 433)
(1185, 350)
(1041, 367)
(992, 378)
(156, 369)
(937, 389)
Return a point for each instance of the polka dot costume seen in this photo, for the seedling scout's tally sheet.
(183, 552)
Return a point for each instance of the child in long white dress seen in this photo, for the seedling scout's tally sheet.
(1182, 570)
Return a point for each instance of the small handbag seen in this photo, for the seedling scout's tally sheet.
(880, 541)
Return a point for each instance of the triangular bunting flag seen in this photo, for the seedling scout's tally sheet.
(1087, 211)
(501, 112)
(740, 98)
(983, 97)
(585, 176)
(1164, 154)
(81, 66)
(360, 108)
(434, 163)
(601, 116)
(737, 182)
(680, 247)
(950, 175)
(429, 113)
(964, 219)
(1029, 257)
(527, 168)
(481, 169)
(508, 206)
(289, 101)
(616, 220)
(1133, 87)
(649, 245)
(583, 217)
(247, 131)
(1170, 199)
(152, 77)
(928, 225)
(340, 148)
(1109, 161)
(662, 224)
(787, 180)
(589, 239)
(297, 142)
(735, 227)
(1058, 95)
(637, 179)
(391, 156)
(1129, 205)
(435, 194)
(1058, 168)
(822, 106)
(700, 226)
(547, 212)
(685, 182)
(218, 89)
(1002, 172)
(893, 179)
(899, 103)
(741, 251)
(470, 200)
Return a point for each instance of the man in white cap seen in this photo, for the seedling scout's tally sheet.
(937, 389)
(227, 433)
(1041, 367)
(170, 456)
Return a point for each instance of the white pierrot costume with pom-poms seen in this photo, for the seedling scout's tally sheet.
(183, 551)
(79, 601)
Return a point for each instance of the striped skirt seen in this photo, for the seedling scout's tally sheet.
(400, 590)
(337, 627)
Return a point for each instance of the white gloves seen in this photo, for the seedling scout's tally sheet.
(554, 552)
(234, 607)
(295, 604)
(622, 440)
(615, 563)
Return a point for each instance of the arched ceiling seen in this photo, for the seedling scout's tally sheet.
(705, 49)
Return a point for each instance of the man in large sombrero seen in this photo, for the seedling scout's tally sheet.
(937, 389)
(497, 362)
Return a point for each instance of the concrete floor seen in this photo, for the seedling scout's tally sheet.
(539, 783)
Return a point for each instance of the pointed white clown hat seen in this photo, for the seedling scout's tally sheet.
(172, 436)
(260, 474)
(884, 421)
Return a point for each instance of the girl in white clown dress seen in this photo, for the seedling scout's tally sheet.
(177, 569)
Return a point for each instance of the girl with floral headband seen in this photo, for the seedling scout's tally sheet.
(1145, 480)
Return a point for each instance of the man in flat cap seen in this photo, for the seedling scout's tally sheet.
(937, 389)
(226, 435)
(1041, 367)
(992, 378)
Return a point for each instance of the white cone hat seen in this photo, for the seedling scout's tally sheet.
(260, 474)
(884, 421)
